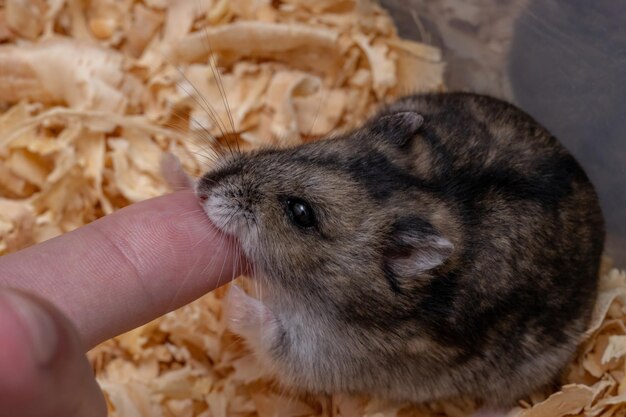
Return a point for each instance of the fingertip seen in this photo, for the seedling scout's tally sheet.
(197, 237)
(129, 267)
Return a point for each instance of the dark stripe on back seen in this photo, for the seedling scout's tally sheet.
(547, 185)
(379, 176)
(391, 278)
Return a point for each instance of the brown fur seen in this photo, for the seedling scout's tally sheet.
(453, 255)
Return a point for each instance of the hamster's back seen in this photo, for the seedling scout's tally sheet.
(520, 293)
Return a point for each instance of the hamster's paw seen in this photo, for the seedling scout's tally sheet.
(248, 317)
(173, 173)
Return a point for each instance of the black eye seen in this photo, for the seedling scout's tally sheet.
(300, 212)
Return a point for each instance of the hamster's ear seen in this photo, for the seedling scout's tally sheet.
(397, 128)
(414, 247)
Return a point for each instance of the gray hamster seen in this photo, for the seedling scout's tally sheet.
(450, 246)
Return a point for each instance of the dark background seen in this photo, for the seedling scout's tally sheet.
(563, 61)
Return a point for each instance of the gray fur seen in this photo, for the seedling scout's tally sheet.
(456, 253)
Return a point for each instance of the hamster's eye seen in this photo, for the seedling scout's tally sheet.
(300, 212)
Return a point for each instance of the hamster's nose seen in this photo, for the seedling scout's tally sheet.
(203, 189)
(204, 186)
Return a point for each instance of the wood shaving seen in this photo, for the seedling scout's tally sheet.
(93, 93)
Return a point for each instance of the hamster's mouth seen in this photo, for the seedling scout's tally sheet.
(230, 222)
(242, 261)
(219, 212)
(227, 224)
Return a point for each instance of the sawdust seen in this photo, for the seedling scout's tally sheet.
(93, 93)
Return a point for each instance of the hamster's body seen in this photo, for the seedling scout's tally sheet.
(449, 247)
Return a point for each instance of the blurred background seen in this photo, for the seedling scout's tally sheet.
(563, 61)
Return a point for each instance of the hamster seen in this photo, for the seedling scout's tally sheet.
(450, 246)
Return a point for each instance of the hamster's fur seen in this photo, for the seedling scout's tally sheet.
(451, 247)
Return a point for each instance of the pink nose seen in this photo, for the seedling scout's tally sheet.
(203, 198)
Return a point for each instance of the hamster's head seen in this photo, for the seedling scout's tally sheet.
(338, 220)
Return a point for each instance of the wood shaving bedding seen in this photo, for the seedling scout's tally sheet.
(92, 94)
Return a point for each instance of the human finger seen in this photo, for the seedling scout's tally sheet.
(127, 268)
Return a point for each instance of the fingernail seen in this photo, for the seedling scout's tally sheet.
(39, 324)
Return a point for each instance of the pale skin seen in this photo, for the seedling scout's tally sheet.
(60, 298)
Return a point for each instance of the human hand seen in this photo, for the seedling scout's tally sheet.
(64, 296)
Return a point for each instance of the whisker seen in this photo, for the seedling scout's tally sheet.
(230, 247)
(211, 152)
(206, 107)
(210, 138)
(207, 157)
(213, 260)
(182, 284)
(220, 84)
(323, 96)
(212, 181)
(204, 239)
(187, 213)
